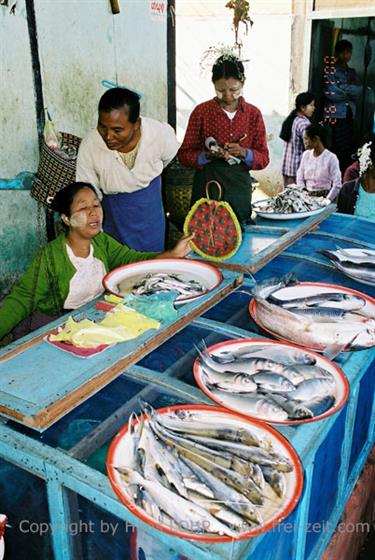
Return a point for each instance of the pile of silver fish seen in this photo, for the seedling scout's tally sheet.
(159, 282)
(269, 382)
(358, 263)
(325, 320)
(198, 474)
(291, 200)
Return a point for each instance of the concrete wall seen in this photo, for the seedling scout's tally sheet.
(80, 44)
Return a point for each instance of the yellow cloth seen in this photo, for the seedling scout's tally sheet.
(119, 324)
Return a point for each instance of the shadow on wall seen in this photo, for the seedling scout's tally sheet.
(270, 178)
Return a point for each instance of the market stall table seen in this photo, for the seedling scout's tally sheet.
(58, 496)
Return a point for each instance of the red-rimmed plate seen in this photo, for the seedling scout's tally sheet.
(301, 333)
(275, 509)
(121, 280)
(290, 354)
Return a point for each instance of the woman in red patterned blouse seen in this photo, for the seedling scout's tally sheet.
(225, 139)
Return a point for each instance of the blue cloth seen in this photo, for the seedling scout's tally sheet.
(137, 219)
(340, 91)
(365, 206)
(248, 160)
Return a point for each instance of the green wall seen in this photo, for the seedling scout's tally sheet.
(19, 237)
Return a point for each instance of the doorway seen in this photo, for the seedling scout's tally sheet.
(361, 33)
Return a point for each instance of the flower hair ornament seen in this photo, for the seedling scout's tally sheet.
(225, 52)
(364, 157)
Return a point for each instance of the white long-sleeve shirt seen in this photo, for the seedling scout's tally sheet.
(105, 170)
(320, 173)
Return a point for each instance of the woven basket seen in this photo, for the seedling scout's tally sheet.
(55, 171)
(177, 187)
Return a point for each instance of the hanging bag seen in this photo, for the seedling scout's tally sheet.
(56, 168)
(217, 232)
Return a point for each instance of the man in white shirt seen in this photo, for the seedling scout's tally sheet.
(124, 158)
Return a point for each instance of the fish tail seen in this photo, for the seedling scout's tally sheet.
(265, 288)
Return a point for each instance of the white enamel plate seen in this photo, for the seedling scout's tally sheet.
(274, 509)
(269, 349)
(257, 206)
(120, 281)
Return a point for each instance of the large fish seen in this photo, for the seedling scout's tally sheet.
(229, 496)
(313, 334)
(233, 382)
(255, 405)
(356, 256)
(327, 314)
(248, 366)
(283, 355)
(188, 422)
(340, 300)
(186, 514)
(241, 483)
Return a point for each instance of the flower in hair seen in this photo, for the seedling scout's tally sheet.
(224, 52)
(364, 157)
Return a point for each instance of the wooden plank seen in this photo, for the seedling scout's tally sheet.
(39, 386)
(261, 243)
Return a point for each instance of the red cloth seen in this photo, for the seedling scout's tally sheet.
(209, 119)
(351, 172)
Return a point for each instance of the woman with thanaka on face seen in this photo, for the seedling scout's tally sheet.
(358, 196)
(124, 158)
(225, 139)
(68, 272)
(292, 133)
(319, 171)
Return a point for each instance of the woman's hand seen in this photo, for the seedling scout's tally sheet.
(180, 250)
(217, 153)
(234, 149)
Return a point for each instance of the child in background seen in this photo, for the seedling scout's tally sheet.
(292, 133)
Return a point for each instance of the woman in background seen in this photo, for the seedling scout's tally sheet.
(225, 139)
(319, 171)
(292, 131)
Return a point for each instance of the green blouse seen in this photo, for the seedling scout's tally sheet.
(45, 285)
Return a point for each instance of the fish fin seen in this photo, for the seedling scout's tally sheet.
(333, 350)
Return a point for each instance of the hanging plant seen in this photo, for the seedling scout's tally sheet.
(241, 14)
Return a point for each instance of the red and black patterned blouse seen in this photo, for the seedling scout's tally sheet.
(209, 119)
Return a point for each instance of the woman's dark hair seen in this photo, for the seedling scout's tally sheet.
(228, 66)
(316, 130)
(302, 99)
(64, 198)
(116, 98)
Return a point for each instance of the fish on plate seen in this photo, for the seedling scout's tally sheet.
(194, 474)
(359, 263)
(298, 319)
(281, 391)
(291, 200)
(160, 282)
